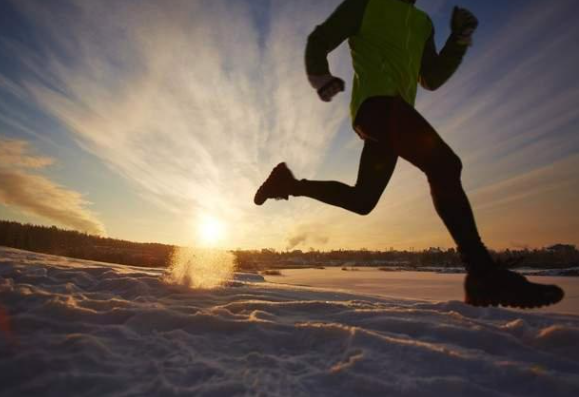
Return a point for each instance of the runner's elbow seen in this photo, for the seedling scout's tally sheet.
(316, 40)
(316, 54)
(430, 84)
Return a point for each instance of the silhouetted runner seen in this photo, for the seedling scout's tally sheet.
(393, 49)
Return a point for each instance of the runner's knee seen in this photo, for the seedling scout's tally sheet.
(363, 208)
(448, 168)
(454, 166)
(364, 204)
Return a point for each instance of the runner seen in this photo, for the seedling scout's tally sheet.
(393, 49)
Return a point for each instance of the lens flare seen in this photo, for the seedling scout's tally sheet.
(200, 268)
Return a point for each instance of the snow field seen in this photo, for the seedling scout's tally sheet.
(81, 328)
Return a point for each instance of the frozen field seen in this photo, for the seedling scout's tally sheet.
(79, 328)
(413, 285)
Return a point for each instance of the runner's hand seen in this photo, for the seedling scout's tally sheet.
(463, 24)
(327, 86)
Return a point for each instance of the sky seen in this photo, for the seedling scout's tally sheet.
(157, 120)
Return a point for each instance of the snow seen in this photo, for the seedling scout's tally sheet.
(416, 285)
(81, 328)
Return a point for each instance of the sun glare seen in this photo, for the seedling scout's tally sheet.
(210, 230)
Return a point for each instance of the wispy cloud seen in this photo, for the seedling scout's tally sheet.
(519, 99)
(193, 101)
(38, 195)
(13, 153)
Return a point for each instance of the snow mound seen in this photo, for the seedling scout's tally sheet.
(72, 327)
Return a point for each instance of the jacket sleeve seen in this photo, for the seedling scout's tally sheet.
(437, 68)
(343, 23)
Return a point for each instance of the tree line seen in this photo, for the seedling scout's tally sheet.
(74, 244)
(557, 256)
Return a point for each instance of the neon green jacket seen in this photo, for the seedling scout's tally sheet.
(392, 47)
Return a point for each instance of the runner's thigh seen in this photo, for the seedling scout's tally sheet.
(377, 165)
(417, 141)
(394, 124)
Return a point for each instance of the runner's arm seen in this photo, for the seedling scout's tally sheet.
(343, 23)
(437, 68)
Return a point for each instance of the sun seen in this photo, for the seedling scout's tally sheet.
(210, 230)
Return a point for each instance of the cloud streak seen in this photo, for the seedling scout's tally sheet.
(520, 101)
(192, 101)
(36, 194)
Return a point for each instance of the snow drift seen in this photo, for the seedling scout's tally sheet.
(72, 327)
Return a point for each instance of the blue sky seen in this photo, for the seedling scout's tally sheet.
(144, 120)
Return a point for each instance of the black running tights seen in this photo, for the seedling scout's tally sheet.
(391, 128)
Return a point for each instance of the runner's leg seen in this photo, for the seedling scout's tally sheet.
(414, 139)
(376, 167)
(393, 123)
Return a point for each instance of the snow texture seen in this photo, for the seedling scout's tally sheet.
(80, 328)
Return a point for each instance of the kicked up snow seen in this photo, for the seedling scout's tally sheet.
(200, 268)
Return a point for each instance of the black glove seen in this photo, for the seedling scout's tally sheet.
(331, 88)
(463, 24)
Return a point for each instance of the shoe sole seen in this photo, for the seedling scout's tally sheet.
(549, 298)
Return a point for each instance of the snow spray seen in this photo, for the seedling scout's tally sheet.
(200, 268)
